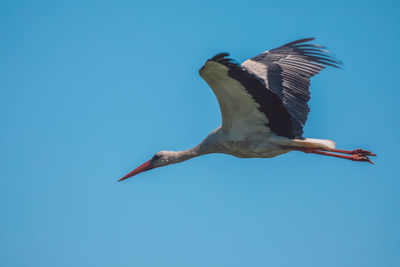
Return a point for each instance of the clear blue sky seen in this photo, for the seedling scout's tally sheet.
(91, 89)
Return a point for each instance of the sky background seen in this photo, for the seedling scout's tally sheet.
(89, 90)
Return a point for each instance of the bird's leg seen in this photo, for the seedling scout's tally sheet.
(354, 152)
(356, 155)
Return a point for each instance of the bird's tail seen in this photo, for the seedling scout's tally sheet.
(314, 143)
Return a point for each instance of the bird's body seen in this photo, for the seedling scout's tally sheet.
(257, 145)
(263, 105)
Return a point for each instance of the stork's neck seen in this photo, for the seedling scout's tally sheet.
(179, 156)
(209, 145)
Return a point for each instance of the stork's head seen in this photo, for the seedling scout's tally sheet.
(160, 159)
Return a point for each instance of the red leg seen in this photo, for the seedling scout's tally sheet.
(354, 152)
(354, 155)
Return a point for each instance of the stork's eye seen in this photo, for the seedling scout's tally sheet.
(156, 157)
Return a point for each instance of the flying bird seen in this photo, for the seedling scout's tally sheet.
(263, 104)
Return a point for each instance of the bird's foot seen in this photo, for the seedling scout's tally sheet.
(362, 157)
(357, 154)
(362, 152)
(354, 152)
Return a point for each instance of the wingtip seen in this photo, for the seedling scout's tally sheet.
(303, 40)
(219, 56)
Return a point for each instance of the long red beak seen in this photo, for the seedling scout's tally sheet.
(142, 168)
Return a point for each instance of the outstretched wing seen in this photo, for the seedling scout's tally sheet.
(286, 71)
(247, 106)
(267, 93)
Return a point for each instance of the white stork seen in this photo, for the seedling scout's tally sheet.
(264, 107)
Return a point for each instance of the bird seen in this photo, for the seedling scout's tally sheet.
(263, 104)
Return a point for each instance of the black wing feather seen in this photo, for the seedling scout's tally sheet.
(289, 69)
